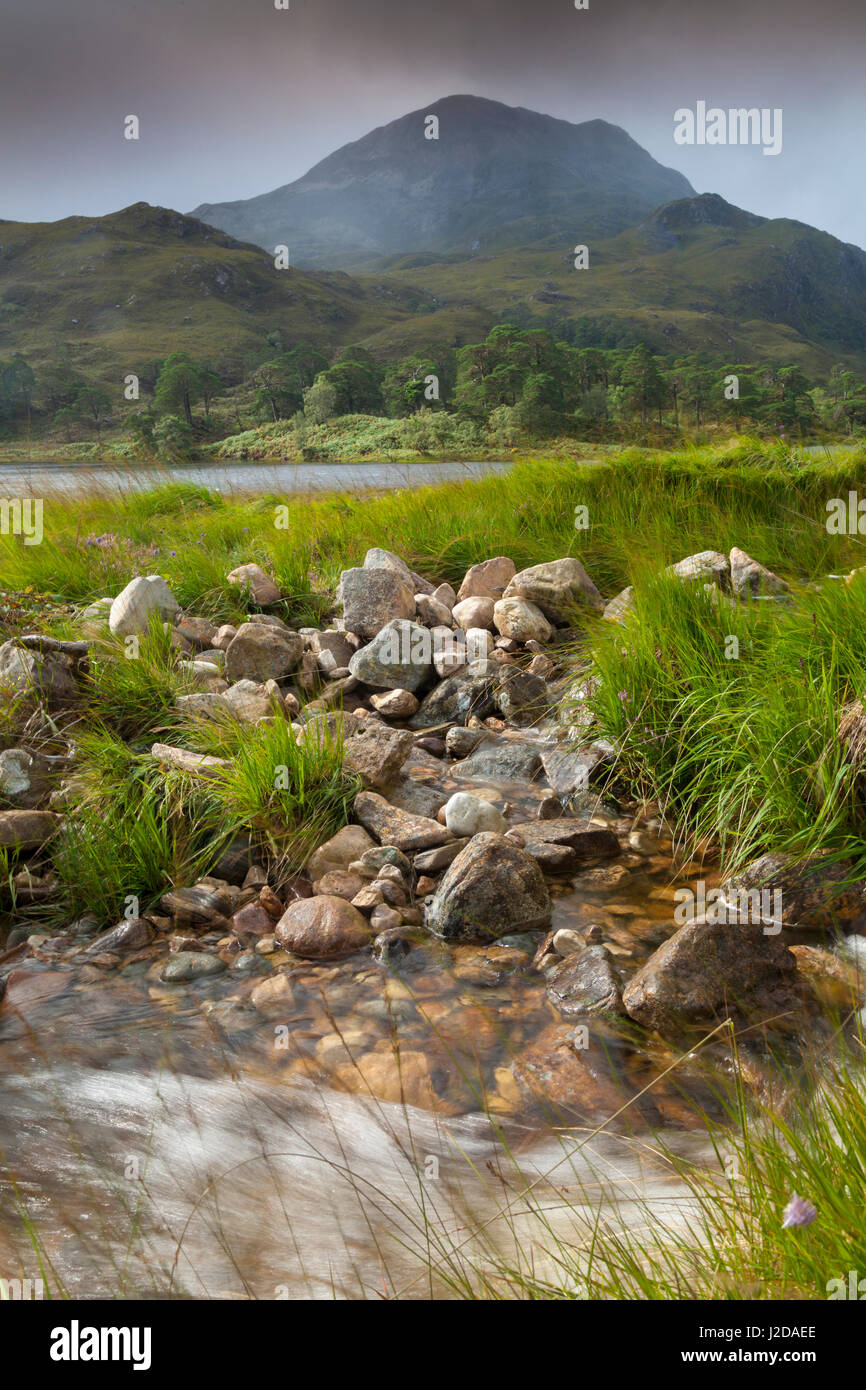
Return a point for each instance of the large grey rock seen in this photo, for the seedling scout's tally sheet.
(503, 756)
(431, 612)
(558, 588)
(474, 612)
(333, 642)
(571, 770)
(376, 752)
(468, 691)
(259, 652)
(372, 597)
(491, 888)
(400, 654)
(27, 829)
(248, 701)
(146, 597)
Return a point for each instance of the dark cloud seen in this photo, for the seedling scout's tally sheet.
(236, 97)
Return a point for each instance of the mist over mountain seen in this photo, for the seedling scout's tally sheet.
(496, 176)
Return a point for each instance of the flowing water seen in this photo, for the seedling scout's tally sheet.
(369, 1122)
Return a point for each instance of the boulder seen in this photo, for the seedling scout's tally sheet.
(27, 829)
(93, 620)
(390, 825)
(623, 603)
(248, 701)
(252, 577)
(259, 652)
(400, 654)
(146, 597)
(395, 704)
(340, 851)
(33, 676)
(749, 577)
(468, 691)
(491, 887)
(487, 580)
(521, 620)
(558, 588)
(330, 642)
(710, 566)
(432, 613)
(520, 697)
(580, 842)
(474, 612)
(708, 971)
(812, 892)
(585, 983)
(503, 756)
(322, 927)
(376, 752)
(466, 814)
(372, 597)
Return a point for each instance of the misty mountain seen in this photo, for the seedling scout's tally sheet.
(497, 176)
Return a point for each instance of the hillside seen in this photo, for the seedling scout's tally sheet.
(109, 293)
(497, 176)
(696, 275)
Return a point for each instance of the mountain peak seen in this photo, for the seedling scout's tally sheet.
(488, 177)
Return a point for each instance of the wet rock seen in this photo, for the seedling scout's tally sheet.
(395, 704)
(338, 883)
(585, 983)
(321, 927)
(400, 654)
(836, 983)
(373, 597)
(566, 941)
(461, 742)
(623, 603)
(708, 971)
(392, 826)
(571, 770)
(368, 898)
(129, 935)
(812, 892)
(555, 1072)
(146, 597)
(558, 588)
(392, 945)
(27, 829)
(488, 579)
(417, 797)
(191, 965)
(434, 860)
(466, 814)
(469, 691)
(373, 860)
(348, 844)
(520, 697)
(707, 565)
(198, 906)
(749, 577)
(521, 620)
(259, 652)
(550, 808)
(253, 920)
(385, 918)
(491, 888)
(401, 1078)
(376, 752)
(262, 588)
(276, 991)
(586, 843)
(474, 612)
(430, 744)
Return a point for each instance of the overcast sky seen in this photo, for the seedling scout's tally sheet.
(236, 97)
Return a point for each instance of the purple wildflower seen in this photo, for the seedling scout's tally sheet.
(798, 1212)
